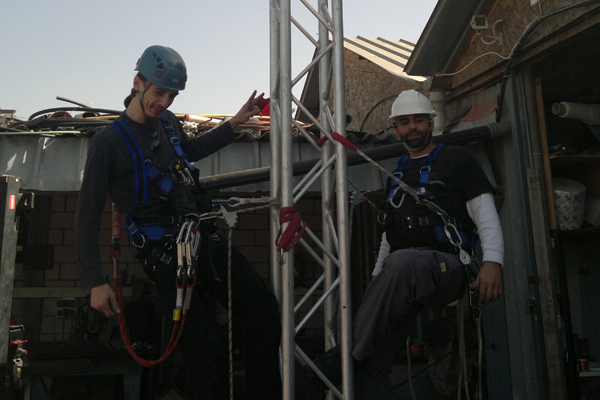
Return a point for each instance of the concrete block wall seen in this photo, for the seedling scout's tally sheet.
(251, 235)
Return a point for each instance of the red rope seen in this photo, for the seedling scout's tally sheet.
(175, 334)
(293, 232)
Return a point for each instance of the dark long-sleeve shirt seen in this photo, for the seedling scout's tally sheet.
(109, 171)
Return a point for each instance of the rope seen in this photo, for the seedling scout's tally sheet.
(125, 334)
(463, 356)
(401, 185)
(118, 288)
(479, 359)
(185, 284)
(409, 361)
(230, 313)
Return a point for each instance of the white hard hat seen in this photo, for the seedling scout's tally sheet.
(411, 102)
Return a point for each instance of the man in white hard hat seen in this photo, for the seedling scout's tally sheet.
(418, 264)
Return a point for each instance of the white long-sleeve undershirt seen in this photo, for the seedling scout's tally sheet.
(482, 211)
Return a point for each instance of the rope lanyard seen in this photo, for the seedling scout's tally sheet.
(187, 244)
(185, 283)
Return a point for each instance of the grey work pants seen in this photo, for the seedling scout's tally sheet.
(409, 280)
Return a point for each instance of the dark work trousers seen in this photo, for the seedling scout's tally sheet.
(409, 280)
(204, 343)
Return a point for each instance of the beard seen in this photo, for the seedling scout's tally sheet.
(417, 143)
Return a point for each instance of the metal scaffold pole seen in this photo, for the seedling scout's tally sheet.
(332, 250)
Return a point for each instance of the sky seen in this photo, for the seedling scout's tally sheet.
(86, 50)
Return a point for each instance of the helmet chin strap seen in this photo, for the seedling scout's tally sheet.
(141, 96)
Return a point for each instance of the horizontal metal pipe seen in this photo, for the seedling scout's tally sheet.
(261, 174)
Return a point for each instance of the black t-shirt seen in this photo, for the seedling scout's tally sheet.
(455, 178)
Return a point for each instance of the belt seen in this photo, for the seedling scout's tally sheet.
(168, 220)
(407, 223)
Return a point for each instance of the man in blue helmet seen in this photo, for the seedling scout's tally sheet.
(142, 161)
(419, 264)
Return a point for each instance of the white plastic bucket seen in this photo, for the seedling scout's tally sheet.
(569, 202)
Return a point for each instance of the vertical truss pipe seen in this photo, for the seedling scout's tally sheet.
(287, 304)
(275, 175)
(342, 202)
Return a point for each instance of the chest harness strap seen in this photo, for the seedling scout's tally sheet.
(179, 171)
(424, 172)
(144, 171)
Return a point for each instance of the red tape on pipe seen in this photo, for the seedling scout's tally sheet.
(340, 139)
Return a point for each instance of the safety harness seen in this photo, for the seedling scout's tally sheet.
(424, 172)
(170, 231)
(448, 230)
(180, 170)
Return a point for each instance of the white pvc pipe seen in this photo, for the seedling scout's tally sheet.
(588, 113)
(438, 99)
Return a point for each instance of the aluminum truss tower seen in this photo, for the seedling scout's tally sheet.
(332, 252)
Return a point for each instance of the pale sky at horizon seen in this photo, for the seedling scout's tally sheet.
(86, 51)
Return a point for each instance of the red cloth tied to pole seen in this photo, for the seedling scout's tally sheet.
(293, 232)
(339, 138)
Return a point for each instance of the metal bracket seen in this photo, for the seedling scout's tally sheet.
(229, 217)
(26, 201)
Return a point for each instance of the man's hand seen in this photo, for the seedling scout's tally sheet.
(103, 299)
(489, 282)
(248, 110)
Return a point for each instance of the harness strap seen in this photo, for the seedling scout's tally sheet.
(408, 223)
(143, 168)
(138, 160)
(424, 171)
(175, 142)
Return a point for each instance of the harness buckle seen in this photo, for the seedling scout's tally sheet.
(137, 240)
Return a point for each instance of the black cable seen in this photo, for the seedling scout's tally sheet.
(98, 110)
(515, 51)
(425, 369)
(372, 109)
(52, 122)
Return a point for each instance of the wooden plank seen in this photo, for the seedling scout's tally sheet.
(547, 304)
(545, 155)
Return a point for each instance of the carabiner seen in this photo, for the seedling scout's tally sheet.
(401, 199)
(449, 235)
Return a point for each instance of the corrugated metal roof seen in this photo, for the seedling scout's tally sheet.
(390, 55)
(54, 164)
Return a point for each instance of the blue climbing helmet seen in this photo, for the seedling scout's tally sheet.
(163, 66)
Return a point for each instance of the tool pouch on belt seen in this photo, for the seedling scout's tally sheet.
(157, 255)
